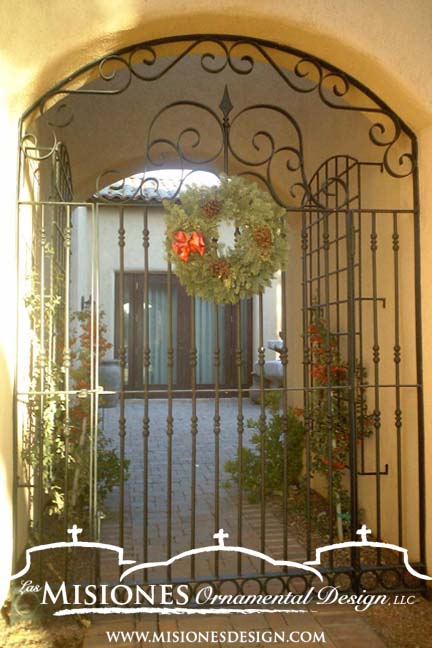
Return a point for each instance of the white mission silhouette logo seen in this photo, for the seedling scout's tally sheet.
(128, 599)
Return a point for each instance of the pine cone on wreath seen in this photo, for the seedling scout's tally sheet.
(211, 208)
(263, 237)
(220, 269)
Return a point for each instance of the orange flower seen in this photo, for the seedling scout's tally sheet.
(339, 371)
(336, 465)
(185, 244)
(316, 338)
(297, 411)
(319, 372)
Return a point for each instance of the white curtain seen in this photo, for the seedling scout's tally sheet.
(205, 341)
(158, 333)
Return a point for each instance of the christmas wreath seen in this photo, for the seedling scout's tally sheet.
(208, 268)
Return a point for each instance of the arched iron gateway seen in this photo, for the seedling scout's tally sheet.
(347, 308)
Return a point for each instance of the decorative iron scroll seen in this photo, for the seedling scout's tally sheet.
(113, 74)
(256, 156)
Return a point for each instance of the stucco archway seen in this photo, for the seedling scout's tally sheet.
(285, 161)
(406, 67)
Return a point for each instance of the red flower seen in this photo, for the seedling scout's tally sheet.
(319, 372)
(339, 371)
(316, 338)
(336, 465)
(185, 244)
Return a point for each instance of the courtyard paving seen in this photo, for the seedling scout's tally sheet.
(182, 468)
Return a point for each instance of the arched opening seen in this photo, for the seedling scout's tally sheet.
(323, 361)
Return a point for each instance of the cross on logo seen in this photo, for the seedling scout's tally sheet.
(363, 533)
(220, 536)
(75, 531)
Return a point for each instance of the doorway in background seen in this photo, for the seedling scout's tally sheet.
(161, 301)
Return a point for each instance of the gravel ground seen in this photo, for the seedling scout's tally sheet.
(408, 626)
(56, 633)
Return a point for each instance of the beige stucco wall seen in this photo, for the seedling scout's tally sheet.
(385, 44)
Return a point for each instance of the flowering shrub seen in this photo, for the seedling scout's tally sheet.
(44, 446)
(330, 435)
(108, 464)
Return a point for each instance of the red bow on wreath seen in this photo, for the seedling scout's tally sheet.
(184, 244)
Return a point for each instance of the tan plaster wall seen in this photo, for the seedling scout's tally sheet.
(425, 172)
(365, 39)
(383, 43)
(7, 343)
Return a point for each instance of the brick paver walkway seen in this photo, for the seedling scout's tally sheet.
(181, 486)
(341, 627)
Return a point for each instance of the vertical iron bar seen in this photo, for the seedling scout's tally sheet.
(305, 238)
(122, 354)
(93, 421)
(327, 356)
(194, 428)
(262, 425)
(329, 378)
(318, 246)
(360, 309)
(216, 428)
(92, 480)
(337, 252)
(226, 107)
(66, 368)
(284, 361)
(240, 431)
(376, 360)
(42, 364)
(397, 360)
(352, 414)
(169, 420)
(15, 438)
(313, 271)
(95, 364)
(419, 361)
(51, 327)
(146, 363)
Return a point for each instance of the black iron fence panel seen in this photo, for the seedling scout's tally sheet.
(181, 418)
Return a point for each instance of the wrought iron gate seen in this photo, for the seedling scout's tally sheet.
(349, 306)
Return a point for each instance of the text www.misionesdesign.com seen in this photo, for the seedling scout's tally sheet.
(236, 637)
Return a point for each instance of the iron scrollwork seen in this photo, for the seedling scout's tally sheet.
(257, 155)
(151, 62)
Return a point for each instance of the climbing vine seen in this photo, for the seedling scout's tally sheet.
(329, 408)
(44, 446)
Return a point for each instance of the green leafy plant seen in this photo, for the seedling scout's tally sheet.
(108, 462)
(44, 445)
(271, 436)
